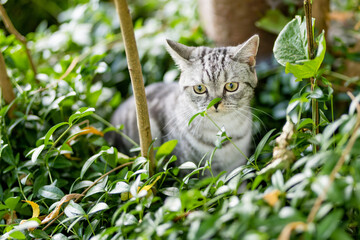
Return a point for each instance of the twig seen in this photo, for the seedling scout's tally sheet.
(87, 189)
(134, 66)
(5, 86)
(10, 27)
(338, 165)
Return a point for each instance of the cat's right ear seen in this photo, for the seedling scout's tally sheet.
(179, 52)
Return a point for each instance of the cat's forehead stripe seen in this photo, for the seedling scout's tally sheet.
(213, 62)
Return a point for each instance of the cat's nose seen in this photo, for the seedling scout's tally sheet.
(216, 105)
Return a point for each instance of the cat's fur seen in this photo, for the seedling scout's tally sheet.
(172, 105)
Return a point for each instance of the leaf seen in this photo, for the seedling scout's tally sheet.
(187, 165)
(35, 208)
(286, 232)
(51, 131)
(272, 197)
(193, 117)
(56, 211)
(166, 148)
(82, 112)
(328, 225)
(51, 192)
(308, 68)
(101, 206)
(261, 145)
(289, 46)
(273, 21)
(74, 210)
(213, 102)
(36, 152)
(11, 202)
(88, 163)
(120, 187)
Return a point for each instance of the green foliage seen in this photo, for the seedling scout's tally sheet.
(54, 147)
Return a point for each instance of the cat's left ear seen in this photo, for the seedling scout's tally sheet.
(179, 52)
(247, 51)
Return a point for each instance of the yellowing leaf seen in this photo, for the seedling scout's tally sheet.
(35, 208)
(286, 232)
(84, 131)
(127, 195)
(272, 197)
(56, 211)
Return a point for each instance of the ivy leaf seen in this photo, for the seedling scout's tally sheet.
(290, 45)
(308, 68)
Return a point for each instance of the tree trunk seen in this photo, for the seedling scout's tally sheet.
(134, 66)
(5, 85)
(231, 22)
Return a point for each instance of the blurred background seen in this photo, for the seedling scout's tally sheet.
(59, 30)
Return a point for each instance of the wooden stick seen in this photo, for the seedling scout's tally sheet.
(134, 66)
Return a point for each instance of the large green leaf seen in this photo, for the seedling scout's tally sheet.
(290, 45)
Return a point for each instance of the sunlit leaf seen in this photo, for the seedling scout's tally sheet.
(272, 197)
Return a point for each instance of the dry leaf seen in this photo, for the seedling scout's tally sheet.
(10, 217)
(286, 232)
(272, 197)
(35, 208)
(84, 131)
(56, 211)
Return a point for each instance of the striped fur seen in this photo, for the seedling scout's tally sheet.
(172, 105)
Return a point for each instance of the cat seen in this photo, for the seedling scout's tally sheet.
(206, 73)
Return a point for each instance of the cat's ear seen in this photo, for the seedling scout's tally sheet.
(247, 51)
(179, 52)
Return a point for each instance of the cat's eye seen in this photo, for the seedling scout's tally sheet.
(199, 89)
(231, 87)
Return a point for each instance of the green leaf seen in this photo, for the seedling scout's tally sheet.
(36, 152)
(11, 202)
(328, 225)
(51, 192)
(82, 112)
(261, 145)
(193, 117)
(120, 187)
(101, 206)
(88, 163)
(213, 102)
(273, 21)
(290, 45)
(166, 148)
(17, 235)
(73, 210)
(308, 68)
(51, 131)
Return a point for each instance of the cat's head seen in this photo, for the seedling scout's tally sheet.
(225, 72)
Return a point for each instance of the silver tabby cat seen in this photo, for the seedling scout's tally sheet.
(206, 73)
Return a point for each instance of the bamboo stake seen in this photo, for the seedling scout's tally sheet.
(5, 85)
(10, 27)
(134, 66)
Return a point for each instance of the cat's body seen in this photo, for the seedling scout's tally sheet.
(206, 73)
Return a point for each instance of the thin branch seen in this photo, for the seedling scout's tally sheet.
(137, 82)
(87, 189)
(10, 27)
(338, 165)
(5, 86)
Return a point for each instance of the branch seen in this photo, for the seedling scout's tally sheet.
(10, 27)
(5, 85)
(134, 66)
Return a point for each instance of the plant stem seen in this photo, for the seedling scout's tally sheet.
(137, 82)
(311, 49)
